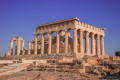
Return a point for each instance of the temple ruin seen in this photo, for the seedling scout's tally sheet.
(64, 46)
(64, 42)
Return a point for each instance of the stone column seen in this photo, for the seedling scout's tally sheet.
(102, 45)
(49, 43)
(42, 44)
(87, 43)
(29, 50)
(32, 46)
(81, 41)
(18, 47)
(35, 47)
(11, 47)
(23, 45)
(57, 42)
(38, 45)
(98, 45)
(75, 41)
(66, 41)
(93, 44)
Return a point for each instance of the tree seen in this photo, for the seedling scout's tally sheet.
(117, 53)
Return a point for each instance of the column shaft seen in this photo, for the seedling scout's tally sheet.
(35, 47)
(75, 41)
(11, 47)
(38, 45)
(92, 44)
(57, 42)
(66, 41)
(95, 46)
(49, 43)
(102, 45)
(42, 44)
(18, 47)
(87, 43)
(98, 45)
(23, 45)
(81, 41)
(32, 46)
(29, 50)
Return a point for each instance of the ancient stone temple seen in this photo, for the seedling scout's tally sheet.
(84, 40)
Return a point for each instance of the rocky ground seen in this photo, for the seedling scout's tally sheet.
(45, 75)
(95, 68)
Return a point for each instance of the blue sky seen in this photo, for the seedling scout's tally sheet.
(21, 17)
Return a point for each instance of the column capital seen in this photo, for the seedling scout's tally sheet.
(92, 33)
(29, 41)
(36, 34)
(37, 43)
(74, 28)
(58, 31)
(23, 40)
(66, 30)
(102, 36)
(80, 30)
(87, 32)
(32, 42)
(43, 34)
(49, 32)
(11, 40)
(98, 35)
(18, 40)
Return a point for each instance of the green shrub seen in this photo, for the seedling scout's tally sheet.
(117, 53)
(41, 69)
(61, 70)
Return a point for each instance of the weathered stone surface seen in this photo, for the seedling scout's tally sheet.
(103, 73)
(115, 72)
(96, 72)
(30, 67)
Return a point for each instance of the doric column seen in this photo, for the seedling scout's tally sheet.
(32, 45)
(98, 45)
(18, 47)
(66, 41)
(38, 45)
(49, 43)
(35, 47)
(81, 41)
(95, 46)
(29, 50)
(102, 46)
(42, 44)
(87, 43)
(11, 47)
(93, 43)
(75, 40)
(57, 42)
(23, 45)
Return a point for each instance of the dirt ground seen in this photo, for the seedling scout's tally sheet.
(44, 75)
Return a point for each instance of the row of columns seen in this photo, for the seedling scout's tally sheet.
(95, 43)
(17, 46)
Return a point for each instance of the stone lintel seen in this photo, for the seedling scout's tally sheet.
(71, 19)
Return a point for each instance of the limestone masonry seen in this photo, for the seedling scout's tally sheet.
(63, 42)
(62, 50)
